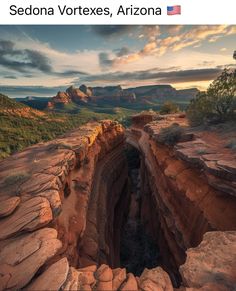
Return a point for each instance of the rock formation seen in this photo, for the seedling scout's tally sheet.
(63, 205)
(173, 181)
(60, 98)
(86, 90)
(77, 95)
(117, 95)
(72, 94)
(152, 92)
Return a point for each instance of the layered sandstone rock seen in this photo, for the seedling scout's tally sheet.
(178, 193)
(52, 183)
(84, 94)
(62, 98)
(212, 262)
(21, 257)
(63, 204)
(140, 120)
(78, 95)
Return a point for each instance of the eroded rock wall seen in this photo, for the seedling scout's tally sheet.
(63, 203)
(179, 204)
(91, 192)
(106, 206)
(71, 185)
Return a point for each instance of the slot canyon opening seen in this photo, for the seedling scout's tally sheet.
(138, 250)
(141, 237)
(123, 219)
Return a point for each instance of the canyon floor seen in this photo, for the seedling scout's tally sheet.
(152, 207)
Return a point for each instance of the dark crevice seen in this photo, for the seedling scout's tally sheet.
(138, 250)
(140, 234)
(134, 235)
(67, 191)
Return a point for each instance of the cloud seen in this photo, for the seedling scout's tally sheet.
(206, 63)
(193, 37)
(151, 46)
(10, 77)
(171, 75)
(104, 60)
(25, 60)
(155, 75)
(38, 61)
(111, 30)
(33, 61)
(124, 57)
(175, 40)
(151, 32)
(174, 76)
(122, 51)
(23, 91)
(70, 73)
(6, 45)
(174, 29)
(22, 60)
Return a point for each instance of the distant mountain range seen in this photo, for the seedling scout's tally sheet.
(112, 95)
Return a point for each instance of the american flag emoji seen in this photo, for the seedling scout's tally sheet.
(174, 10)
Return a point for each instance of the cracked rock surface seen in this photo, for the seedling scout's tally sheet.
(45, 193)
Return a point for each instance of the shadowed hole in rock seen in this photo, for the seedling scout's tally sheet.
(124, 228)
(139, 242)
(67, 191)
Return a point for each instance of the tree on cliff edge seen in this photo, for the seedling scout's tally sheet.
(218, 102)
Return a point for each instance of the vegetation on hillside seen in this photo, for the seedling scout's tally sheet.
(7, 103)
(218, 103)
(22, 126)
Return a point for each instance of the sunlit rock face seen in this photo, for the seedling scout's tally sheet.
(66, 203)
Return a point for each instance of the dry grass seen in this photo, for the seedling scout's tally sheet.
(171, 135)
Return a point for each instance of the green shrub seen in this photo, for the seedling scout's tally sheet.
(171, 135)
(199, 109)
(218, 103)
(169, 107)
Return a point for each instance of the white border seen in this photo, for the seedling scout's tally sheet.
(193, 12)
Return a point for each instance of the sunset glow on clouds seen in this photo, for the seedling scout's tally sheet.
(34, 57)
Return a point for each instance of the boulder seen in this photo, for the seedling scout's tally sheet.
(51, 279)
(212, 262)
(119, 276)
(155, 279)
(130, 283)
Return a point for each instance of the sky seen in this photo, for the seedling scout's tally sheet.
(40, 60)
